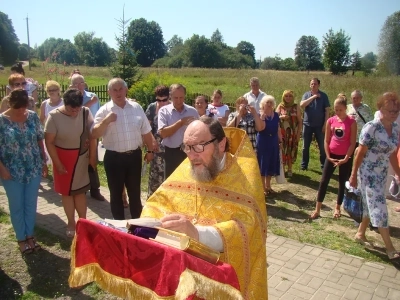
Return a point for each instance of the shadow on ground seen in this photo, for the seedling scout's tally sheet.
(303, 179)
(285, 209)
(10, 288)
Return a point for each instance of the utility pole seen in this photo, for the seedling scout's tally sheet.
(29, 45)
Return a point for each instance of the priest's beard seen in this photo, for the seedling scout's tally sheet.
(208, 172)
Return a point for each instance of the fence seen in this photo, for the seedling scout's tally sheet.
(101, 92)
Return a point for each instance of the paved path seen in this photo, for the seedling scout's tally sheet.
(295, 270)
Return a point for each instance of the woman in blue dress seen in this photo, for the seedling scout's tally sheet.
(269, 139)
(377, 149)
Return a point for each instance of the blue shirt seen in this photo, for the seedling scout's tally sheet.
(167, 116)
(87, 96)
(314, 113)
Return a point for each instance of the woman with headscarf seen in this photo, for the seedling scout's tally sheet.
(290, 122)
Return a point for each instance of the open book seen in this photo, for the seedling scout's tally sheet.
(167, 237)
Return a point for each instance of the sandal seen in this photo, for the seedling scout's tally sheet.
(337, 214)
(36, 246)
(367, 244)
(393, 255)
(315, 215)
(70, 233)
(27, 249)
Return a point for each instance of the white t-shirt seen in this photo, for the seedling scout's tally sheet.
(219, 111)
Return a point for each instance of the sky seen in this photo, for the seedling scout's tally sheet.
(273, 27)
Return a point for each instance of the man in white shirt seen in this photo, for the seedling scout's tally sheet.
(255, 95)
(124, 127)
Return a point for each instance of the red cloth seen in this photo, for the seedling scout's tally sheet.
(145, 262)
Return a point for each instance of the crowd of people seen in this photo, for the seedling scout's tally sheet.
(67, 131)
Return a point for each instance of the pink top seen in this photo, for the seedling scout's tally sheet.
(340, 135)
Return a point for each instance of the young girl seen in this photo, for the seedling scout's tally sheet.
(218, 108)
(340, 140)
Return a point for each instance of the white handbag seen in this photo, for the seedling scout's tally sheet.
(100, 151)
(280, 179)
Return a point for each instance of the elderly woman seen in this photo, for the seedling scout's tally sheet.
(243, 118)
(378, 142)
(269, 138)
(31, 84)
(16, 82)
(290, 124)
(156, 173)
(218, 108)
(68, 141)
(54, 101)
(21, 166)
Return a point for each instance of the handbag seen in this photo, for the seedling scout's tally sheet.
(280, 179)
(352, 203)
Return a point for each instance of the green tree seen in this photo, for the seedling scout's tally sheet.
(336, 47)
(308, 53)
(146, 39)
(389, 45)
(125, 66)
(174, 42)
(201, 53)
(58, 50)
(23, 52)
(247, 48)
(288, 64)
(8, 40)
(82, 43)
(355, 62)
(368, 63)
(216, 37)
(272, 63)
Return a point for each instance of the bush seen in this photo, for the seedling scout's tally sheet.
(143, 90)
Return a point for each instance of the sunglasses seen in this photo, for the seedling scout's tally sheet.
(162, 100)
(50, 91)
(19, 83)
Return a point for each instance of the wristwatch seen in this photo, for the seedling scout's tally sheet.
(149, 151)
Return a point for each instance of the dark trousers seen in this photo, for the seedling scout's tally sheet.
(94, 178)
(352, 159)
(308, 132)
(327, 172)
(173, 158)
(124, 169)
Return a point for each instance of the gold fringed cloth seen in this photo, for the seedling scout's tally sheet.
(233, 203)
(135, 268)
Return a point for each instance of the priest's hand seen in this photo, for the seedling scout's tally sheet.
(180, 223)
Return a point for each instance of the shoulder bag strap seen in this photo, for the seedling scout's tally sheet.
(358, 113)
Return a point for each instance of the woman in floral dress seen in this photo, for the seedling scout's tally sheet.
(156, 172)
(290, 124)
(377, 148)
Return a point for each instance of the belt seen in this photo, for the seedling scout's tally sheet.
(126, 152)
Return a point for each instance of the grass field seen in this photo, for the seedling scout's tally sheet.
(235, 83)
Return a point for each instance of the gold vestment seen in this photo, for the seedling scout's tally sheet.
(233, 203)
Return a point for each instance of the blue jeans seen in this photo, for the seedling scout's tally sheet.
(22, 200)
(307, 137)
